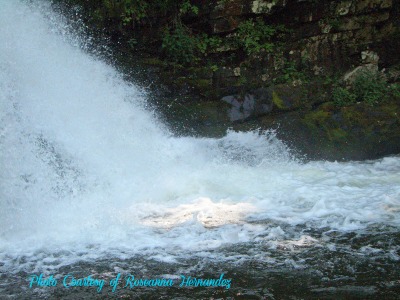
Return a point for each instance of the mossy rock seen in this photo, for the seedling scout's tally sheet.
(355, 132)
(287, 97)
(316, 119)
(337, 134)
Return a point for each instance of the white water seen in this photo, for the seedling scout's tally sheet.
(86, 171)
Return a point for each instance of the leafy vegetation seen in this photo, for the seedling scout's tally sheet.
(131, 13)
(174, 38)
(290, 72)
(343, 97)
(134, 11)
(371, 88)
(255, 36)
(395, 89)
(179, 45)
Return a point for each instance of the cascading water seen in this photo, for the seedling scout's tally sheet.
(87, 173)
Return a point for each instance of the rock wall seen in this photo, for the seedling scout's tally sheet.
(324, 39)
(327, 42)
(269, 64)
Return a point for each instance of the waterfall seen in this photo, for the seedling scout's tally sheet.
(86, 171)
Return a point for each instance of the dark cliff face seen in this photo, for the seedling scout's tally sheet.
(304, 57)
(257, 43)
(307, 39)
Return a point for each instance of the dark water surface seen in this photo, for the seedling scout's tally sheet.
(361, 266)
(92, 183)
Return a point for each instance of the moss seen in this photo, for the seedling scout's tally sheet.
(337, 134)
(278, 101)
(392, 109)
(354, 117)
(316, 118)
(327, 106)
(325, 130)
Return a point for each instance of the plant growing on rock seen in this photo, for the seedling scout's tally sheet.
(290, 73)
(343, 97)
(371, 88)
(255, 36)
(134, 11)
(179, 45)
(187, 7)
(395, 88)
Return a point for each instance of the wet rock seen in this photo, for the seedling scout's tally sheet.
(287, 96)
(369, 57)
(350, 76)
(343, 8)
(252, 104)
(370, 61)
(355, 132)
(265, 6)
(227, 24)
(225, 78)
(228, 8)
(365, 6)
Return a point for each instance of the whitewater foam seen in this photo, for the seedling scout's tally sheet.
(87, 172)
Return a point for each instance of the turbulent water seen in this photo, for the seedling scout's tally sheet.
(87, 173)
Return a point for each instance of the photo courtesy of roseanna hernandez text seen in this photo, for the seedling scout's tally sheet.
(199, 149)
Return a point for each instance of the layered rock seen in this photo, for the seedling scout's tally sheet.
(284, 79)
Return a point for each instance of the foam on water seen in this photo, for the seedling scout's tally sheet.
(86, 171)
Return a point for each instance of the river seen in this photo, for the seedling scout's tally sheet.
(92, 183)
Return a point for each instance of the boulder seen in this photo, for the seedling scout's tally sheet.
(255, 103)
(351, 76)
